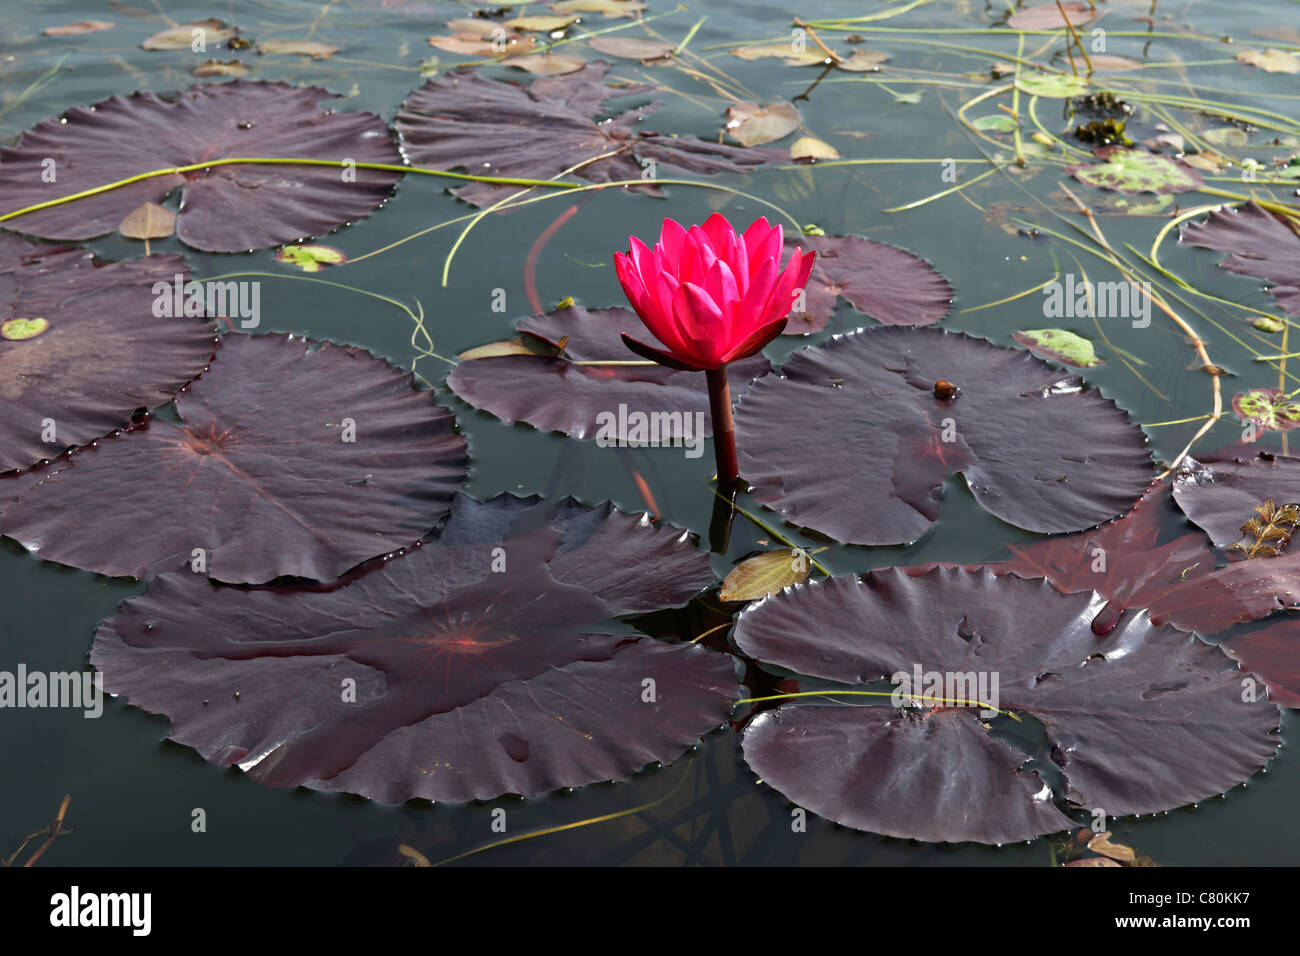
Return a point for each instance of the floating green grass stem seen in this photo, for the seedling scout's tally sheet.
(1015, 103)
(281, 161)
(1176, 421)
(1033, 118)
(770, 530)
(690, 35)
(577, 824)
(939, 195)
(1012, 298)
(446, 272)
(37, 84)
(923, 698)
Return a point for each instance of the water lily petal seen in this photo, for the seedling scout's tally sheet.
(756, 342)
(667, 359)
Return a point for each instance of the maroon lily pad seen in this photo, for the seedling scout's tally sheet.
(463, 669)
(556, 393)
(1261, 246)
(851, 440)
(1141, 721)
(889, 284)
(463, 120)
(1221, 496)
(1139, 562)
(292, 459)
(224, 208)
(1273, 652)
(81, 348)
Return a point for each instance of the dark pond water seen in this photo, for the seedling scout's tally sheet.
(133, 792)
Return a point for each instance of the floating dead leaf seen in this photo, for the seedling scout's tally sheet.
(473, 44)
(1226, 136)
(1206, 162)
(606, 8)
(765, 574)
(415, 856)
(810, 147)
(1048, 16)
(1093, 861)
(782, 51)
(1108, 63)
(79, 28)
(631, 48)
(311, 48)
(546, 64)
(220, 68)
(542, 24)
(1270, 61)
(187, 36)
(1116, 851)
(519, 345)
(863, 61)
(148, 221)
(752, 125)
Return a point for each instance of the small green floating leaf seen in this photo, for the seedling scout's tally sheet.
(1269, 408)
(311, 258)
(1059, 345)
(1136, 171)
(1055, 86)
(15, 330)
(1267, 323)
(995, 122)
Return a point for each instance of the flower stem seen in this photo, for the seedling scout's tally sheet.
(724, 430)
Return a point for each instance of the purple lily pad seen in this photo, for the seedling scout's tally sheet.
(292, 459)
(851, 440)
(554, 393)
(223, 209)
(1219, 497)
(1141, 721)
(463, 120)
(461, 670)
(889, 284)
(1261, 246)
(1273, 652)
(82, 349)
(1134, 563)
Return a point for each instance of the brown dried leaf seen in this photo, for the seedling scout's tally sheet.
(148, 221)
(752, 125)
(311, 48)
(1270, 61)
(765, 574)
(543, 64)
(1116, 851)
(79, 28)
(631, 48)
(182, 37)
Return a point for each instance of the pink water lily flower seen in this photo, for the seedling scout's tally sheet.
(712, 296)
(709, 294)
